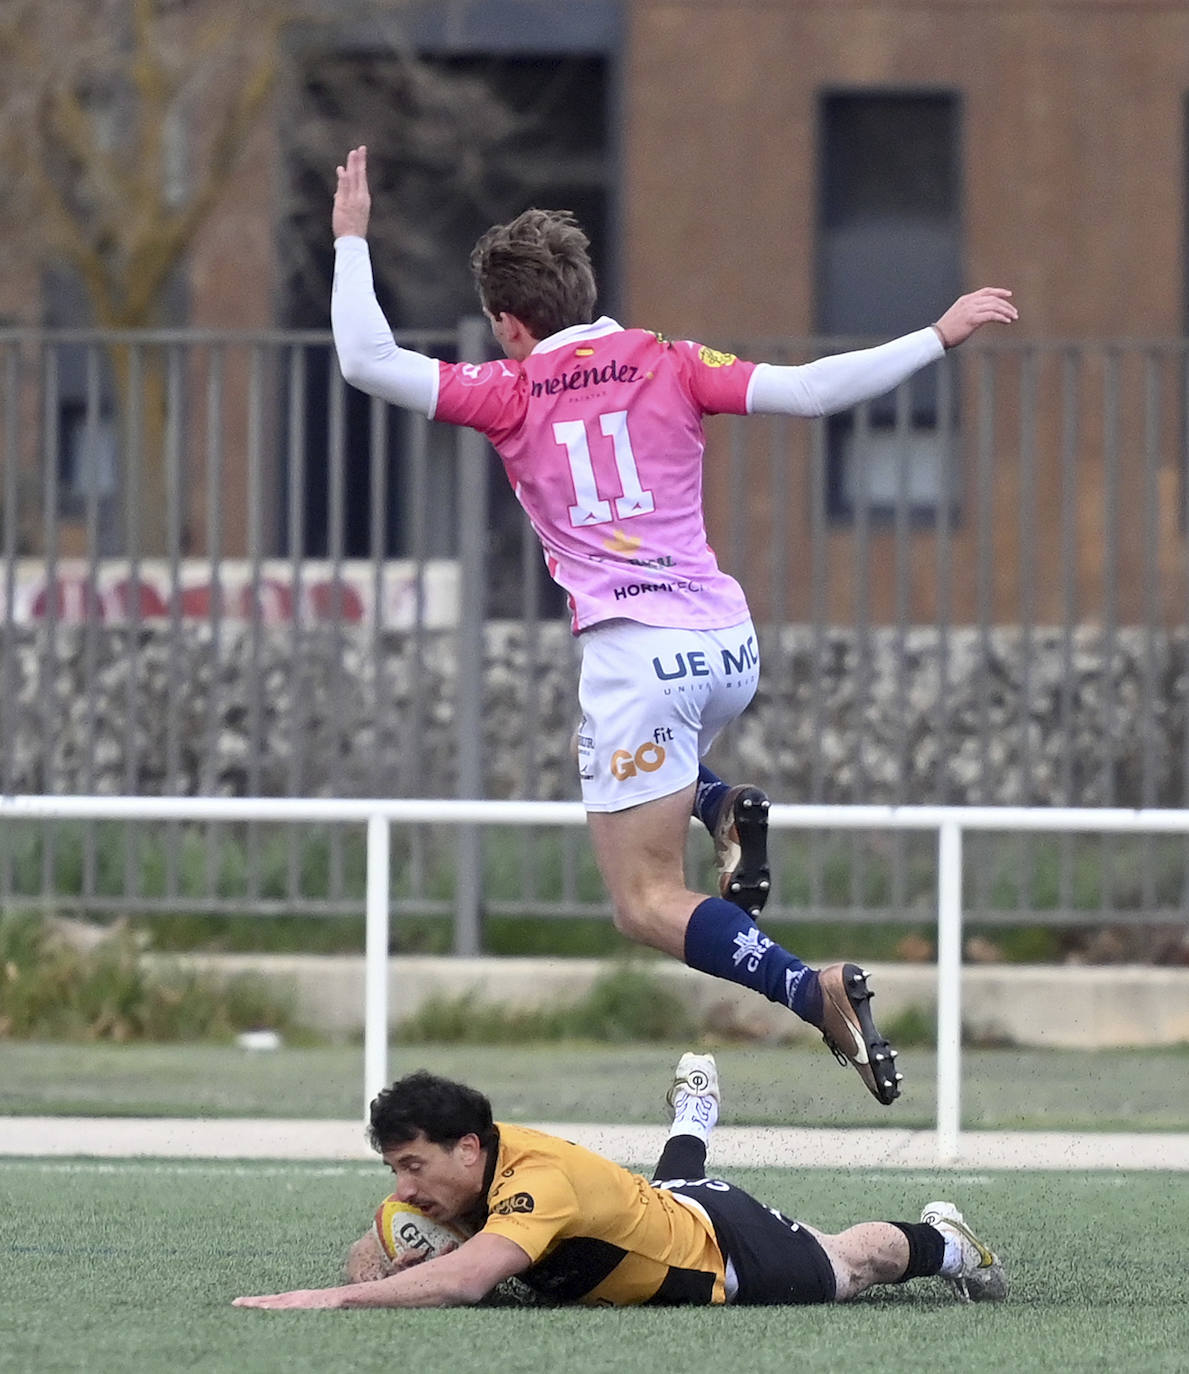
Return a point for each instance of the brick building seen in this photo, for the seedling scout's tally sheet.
(761, 172)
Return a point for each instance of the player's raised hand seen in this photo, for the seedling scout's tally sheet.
(987, 305)
(352, 200)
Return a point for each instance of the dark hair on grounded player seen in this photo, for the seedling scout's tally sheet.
(422, 1102)
(536, 267)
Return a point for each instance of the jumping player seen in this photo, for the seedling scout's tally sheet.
(600, 432)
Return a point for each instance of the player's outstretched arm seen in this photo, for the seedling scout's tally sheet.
(458, 1279)
(987, 305)
(841, 380)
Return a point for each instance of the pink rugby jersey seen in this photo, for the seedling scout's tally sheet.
(600, 432)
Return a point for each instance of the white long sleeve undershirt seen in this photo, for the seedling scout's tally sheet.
(832, 384)
(371, 360)
(369, 357)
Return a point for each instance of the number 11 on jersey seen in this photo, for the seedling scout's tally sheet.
(589, 508)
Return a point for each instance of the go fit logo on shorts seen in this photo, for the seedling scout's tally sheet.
(647, 759)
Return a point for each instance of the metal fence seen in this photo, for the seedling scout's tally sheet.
(952, 826)
(972, 591)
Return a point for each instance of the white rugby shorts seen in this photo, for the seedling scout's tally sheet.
(653, 702)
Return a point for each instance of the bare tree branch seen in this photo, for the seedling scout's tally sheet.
(95, 100)
(88, 96)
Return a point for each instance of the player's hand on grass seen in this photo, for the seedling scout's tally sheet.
(352, 200)
(987, 305)
(299, 1297)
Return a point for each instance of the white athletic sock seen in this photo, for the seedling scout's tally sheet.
(951, 1264)
(694, 1115)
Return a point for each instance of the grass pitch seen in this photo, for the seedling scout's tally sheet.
(131, 1266)
(1007, 1089)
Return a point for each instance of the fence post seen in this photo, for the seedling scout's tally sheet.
(949, 989)
(375, 981)
(473, 460)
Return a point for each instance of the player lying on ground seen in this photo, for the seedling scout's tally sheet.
(600, 429)
(575, 1228)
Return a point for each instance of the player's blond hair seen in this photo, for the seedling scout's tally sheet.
(537, 268)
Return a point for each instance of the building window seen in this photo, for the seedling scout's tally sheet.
(87, 456)
(889, 260)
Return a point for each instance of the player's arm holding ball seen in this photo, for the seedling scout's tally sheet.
(400, 1236)
(461, 1278)
(408, 1259)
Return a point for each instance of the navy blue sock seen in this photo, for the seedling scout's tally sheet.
(725, 942)
(709, 796)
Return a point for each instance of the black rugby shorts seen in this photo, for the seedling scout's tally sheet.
(775, 1260)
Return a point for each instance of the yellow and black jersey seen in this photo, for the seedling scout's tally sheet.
(596, 1233)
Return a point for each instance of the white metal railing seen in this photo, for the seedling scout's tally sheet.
(950, 822)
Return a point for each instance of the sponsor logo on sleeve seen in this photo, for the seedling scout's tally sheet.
(474, 374)
(517, 1203)
(713, 358)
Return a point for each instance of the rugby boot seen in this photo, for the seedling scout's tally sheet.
(695, 1089)
(741, 848)
(850, 1032)
(981, 1278)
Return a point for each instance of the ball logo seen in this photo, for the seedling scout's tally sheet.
(415, 1239)
(403, 1229)
(647, 759)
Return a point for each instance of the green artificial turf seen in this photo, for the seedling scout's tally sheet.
(1006, 1089)
(131, 1266)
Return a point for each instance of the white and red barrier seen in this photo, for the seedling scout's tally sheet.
(115, 592)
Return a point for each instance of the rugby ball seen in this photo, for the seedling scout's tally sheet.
(405, 1232)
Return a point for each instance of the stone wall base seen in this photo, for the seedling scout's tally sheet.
(1032, 1005)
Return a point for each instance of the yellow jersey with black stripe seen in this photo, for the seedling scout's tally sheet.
(595, 1232)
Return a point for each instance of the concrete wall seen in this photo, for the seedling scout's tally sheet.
(1055, 1008)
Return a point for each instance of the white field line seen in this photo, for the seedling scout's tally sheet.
(732, 1146)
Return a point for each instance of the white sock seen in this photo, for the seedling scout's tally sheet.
(694, 1128)
(951, 1264)
(694, 1115)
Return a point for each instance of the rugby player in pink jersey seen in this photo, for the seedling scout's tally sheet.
(600, 430)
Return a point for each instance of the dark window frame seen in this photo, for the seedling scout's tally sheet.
(883, 414)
